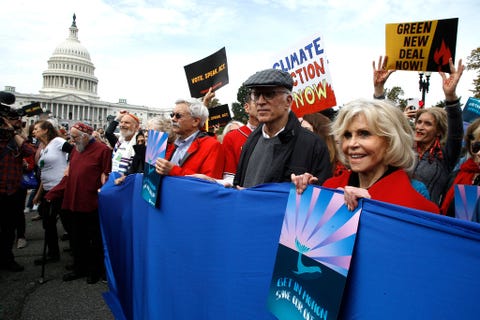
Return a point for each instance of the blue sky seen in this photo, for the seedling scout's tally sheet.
(139, 47)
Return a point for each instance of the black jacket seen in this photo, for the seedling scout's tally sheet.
(300, 151)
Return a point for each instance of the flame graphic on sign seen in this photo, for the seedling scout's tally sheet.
(442, 55)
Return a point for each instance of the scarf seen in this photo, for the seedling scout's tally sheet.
(435, 151)
(465, 176)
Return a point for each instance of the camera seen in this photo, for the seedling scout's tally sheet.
(6, 111)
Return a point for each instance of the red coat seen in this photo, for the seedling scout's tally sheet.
(80, 188)
(394, 188)
(205, 155)
(232, 144)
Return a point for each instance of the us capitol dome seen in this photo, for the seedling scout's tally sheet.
(70, 69)
(69, 92)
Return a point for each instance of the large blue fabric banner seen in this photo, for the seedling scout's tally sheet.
(208, 253)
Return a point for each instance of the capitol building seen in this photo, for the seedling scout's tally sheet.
(69, 92)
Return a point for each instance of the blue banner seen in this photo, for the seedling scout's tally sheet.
(208, 252)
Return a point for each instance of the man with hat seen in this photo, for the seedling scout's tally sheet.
(123, 151)
(90, 163)
(279, 146)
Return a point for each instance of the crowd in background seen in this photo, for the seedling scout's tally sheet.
(369, 149)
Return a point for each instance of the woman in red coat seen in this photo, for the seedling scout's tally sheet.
(375, 142)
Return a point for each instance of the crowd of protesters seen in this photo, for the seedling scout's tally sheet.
(369, 149)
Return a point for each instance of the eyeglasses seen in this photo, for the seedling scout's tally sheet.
(475, 147)
(74, 137)
(267, 95)
(176, 115)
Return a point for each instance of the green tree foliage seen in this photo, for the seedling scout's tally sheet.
(395, 95)
(238, 110)
(473, 63)
(239, 113)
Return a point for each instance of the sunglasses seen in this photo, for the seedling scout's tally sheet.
(176, 115)
(267, 95)
(475, 147)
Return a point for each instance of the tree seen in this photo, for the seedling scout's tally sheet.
(394, 95)
(473, 63)
(238, 110)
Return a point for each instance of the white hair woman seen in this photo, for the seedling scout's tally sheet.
(375, 142)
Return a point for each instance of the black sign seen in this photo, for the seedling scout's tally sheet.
(219, 115)
(210, 72)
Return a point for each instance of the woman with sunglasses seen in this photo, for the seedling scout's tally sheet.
(469, 172)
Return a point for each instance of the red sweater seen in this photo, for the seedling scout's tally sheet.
(394, 188)
(232, 144)
(205, 155)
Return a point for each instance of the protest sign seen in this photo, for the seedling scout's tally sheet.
(313, 256)
(421, 46)
(308, 65)
(156, 148)
(209, 72)
(466, 202)
(471, 111)
(219, 115)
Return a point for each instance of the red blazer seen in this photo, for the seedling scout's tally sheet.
(205, 156)
(395, 188)
(232, 145)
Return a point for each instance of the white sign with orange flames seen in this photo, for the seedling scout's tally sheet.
(421, 46)
(308, 65)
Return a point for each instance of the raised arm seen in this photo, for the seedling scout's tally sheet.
(380, 76)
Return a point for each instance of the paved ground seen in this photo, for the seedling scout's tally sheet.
(22, 297)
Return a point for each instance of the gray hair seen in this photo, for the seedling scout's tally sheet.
(196, 108)
(159, 123)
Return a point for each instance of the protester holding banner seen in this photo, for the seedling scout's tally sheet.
(376, 144)
(138, 162)
(194, 151)
(469, 172)
(279, 146)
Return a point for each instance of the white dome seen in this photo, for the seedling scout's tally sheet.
(72, 47)
(70, 69)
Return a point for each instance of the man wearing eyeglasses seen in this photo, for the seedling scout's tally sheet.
(279, 146)
(194, 151)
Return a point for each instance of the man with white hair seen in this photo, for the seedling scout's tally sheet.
(90, 163)
(194, 151)
(123, 151)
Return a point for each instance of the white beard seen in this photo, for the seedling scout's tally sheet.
(80, 146)
(127, 134)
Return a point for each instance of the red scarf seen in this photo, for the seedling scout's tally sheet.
(465, 176)
(435, 151)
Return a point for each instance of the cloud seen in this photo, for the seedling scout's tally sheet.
(139, 48)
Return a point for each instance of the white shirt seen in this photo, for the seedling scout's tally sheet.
(52, 163)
